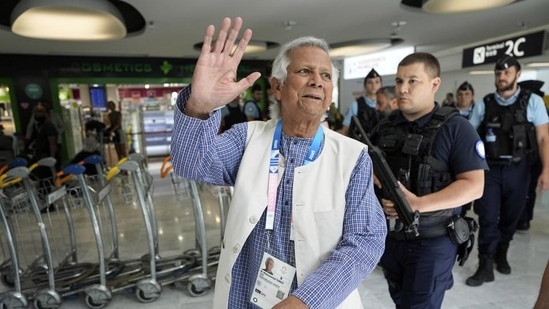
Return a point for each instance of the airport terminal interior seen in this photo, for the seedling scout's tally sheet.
(176, 226)
(136, 200)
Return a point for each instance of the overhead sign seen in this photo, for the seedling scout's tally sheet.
(385, 63)
(518, 47)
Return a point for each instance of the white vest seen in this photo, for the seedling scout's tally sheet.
(318, 204)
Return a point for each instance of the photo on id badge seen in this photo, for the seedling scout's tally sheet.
(273, 283)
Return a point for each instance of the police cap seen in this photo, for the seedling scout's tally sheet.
(506, 62)
(466, 86)
(372, 74)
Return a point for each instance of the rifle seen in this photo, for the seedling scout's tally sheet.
(390, 188)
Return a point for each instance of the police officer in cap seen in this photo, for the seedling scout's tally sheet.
(465, 99)
(365, 106)
(513, 123)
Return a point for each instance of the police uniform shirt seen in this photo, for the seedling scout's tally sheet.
(251, 109)
(353, 110)
(466, 113)
(457, 143)
(536, 112)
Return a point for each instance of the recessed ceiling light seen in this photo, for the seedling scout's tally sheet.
(454, 6)
(74, 20)
(537, 64)
(361, 47)
(254, 46)
(481, 72)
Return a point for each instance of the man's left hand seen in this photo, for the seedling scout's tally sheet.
(291, 302)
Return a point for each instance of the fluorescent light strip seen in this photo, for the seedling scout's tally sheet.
(481, 72)
(537, 64)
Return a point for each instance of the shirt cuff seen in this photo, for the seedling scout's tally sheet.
(182, 98)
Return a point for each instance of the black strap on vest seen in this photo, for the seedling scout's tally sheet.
(428, 174)
(367, 115)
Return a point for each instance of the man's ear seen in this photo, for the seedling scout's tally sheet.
(275, 86)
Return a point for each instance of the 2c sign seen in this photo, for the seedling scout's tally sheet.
(513, 47)
(518, 47)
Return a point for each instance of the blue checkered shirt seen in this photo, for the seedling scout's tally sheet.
(364, 230)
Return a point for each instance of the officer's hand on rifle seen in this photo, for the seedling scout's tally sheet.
(389, 209)
(412, 199)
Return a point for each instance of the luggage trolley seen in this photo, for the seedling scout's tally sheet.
(146, 287)
(11, 299)
(142, 181)
(99, 292)
(37, 276)
(51, 192)
(200, 282)
(45, 296)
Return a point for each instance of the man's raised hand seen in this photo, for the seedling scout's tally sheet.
(214, 81)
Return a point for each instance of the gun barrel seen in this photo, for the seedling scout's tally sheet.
(390, 186)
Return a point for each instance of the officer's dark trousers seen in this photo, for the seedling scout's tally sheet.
(501, 206)
(419, 271)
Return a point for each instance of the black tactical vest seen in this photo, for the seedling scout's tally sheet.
(515, 137)
(368, 117)
(408, 152)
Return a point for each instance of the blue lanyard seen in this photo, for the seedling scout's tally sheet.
(312, 154)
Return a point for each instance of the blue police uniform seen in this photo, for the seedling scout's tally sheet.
(419, 269)
(501, 206)
(353, 110)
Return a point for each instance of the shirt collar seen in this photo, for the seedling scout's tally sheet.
(501, 101)
(420, 122)
(370, 103)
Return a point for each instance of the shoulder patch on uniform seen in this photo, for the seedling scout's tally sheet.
(479, 148)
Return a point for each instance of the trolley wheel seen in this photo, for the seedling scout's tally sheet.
(13, 300)
(91, 303)
(198, 287)
(97, 297)
(147, 290)
(140, 294)
(47, 300)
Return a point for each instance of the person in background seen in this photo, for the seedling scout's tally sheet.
(386, 101)
(465, 99)
(543, 297)
(438, 158)
(116, 131)
(449, 100)
(232, 114)
(7, 152)
(43, 141)
(251, 108)
(57, 122)
(334, 118)
(365, 106)
(42, 144)
(513, 123)
(285, 172)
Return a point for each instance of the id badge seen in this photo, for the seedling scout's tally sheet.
(273, 282)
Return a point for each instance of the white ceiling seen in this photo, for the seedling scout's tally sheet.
(176, 25)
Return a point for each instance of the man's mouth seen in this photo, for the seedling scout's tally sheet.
(314, 97)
